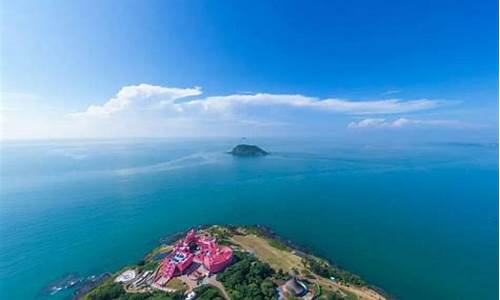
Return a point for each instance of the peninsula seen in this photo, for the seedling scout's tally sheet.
(232, 262)
(248, 150)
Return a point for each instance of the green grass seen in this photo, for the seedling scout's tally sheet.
(177, 284)
(277, 258)
(207, 292)
(150, 266)
(350, 295)
(278, 245)
(318, 290)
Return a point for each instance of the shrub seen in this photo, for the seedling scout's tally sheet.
(206, 292)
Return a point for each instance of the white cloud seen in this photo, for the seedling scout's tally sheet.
(390, 106)
(146, 110)
(367, 123)
(146, 96)
(139, 96)
(404, 122)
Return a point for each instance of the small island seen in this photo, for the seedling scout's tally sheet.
(248, 151)
(231, 262)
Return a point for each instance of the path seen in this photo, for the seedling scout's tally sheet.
(218, 285)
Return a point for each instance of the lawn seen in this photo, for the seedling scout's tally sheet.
(176, 284)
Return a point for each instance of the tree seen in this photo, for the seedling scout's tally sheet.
(248, 278)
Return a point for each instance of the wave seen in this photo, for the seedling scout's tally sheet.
(188, 161)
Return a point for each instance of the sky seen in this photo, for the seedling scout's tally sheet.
(351, 69)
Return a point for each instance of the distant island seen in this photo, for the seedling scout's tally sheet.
(231, 262)
(248, 150)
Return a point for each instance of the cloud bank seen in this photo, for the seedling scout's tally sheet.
(151, 97)
(404, 122)
(137, 96)
(146, 110)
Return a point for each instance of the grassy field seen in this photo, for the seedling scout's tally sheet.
(275, 257)
(279, 256)
(350, 295)
(177, 284)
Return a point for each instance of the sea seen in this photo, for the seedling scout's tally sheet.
(418, 220)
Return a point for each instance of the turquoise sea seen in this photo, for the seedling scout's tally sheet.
(419, 220)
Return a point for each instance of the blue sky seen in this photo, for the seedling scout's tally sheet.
(259, 68)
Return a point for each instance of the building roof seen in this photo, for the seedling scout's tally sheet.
(126, 276)
(294, 287)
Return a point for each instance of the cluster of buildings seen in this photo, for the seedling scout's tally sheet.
(196, 257)
(202, 250)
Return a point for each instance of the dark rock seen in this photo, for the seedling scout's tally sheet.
(68, 281)
(89, 283)
(248, 150)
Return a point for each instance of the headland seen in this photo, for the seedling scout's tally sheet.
(232, 262)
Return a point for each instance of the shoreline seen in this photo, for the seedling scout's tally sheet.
(268, 232)
(287, 260)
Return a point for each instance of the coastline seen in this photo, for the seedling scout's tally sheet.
(286, 259)
(268, 232)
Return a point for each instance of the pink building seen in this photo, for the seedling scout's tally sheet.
(202, 249)
(214, 257)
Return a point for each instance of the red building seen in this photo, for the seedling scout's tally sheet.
(201, 249)
(214, 257)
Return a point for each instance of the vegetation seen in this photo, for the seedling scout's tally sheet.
(160, 249)
(259, 231)
(207, 292)
(263, 262)
(264, 233)
(248, 278)
(282, 275)
(308, 274)
(278, 245)
(145, 266)
(329, 295)
(223, 235)
(218, 232)
(152, 296)
(114, 291)
(106, 291)
(277, 259)
(150, 266)
(325, 270)
(349, 295)
(317, 290)
(177, 284)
